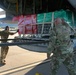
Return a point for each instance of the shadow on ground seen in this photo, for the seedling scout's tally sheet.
(2, 65)
(42, 68)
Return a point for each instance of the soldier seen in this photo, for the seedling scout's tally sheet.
(61, 46)
(4, 49)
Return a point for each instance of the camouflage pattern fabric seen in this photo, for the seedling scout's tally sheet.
(4, 49)
(61, 47)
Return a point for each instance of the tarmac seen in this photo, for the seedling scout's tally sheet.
(32, 64)
(28, 60)
(21, 61)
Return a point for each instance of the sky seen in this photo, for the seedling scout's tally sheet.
(3, 15)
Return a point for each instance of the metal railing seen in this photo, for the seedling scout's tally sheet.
(16, 42)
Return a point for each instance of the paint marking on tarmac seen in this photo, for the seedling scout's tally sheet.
(24, 67)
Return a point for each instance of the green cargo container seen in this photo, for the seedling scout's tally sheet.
(67, 15)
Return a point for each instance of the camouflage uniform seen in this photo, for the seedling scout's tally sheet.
(61, 47)
(4, 50)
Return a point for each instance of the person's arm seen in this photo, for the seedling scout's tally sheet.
(12, 33)
(52, 41)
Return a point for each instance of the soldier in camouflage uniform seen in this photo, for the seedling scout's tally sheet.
(4, 49)
(61, 47)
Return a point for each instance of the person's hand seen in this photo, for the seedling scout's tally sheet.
(17, 30)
